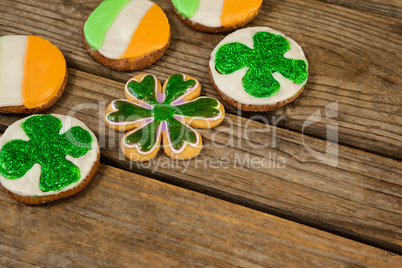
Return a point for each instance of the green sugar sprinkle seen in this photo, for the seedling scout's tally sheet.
(49, 149)
(265, 59)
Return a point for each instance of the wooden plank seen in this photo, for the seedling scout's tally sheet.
(354, 60)
(123, 219)
(360, 198)
(391, 8)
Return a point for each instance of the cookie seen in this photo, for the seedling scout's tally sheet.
(33, 74)
(126, 35)
(258, 69)
(216, 16)
(154, 114)
(47, 157)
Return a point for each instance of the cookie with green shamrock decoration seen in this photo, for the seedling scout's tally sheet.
(258, 69)
(47, 157)
(153, 114)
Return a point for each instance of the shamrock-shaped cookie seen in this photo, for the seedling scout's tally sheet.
(45, 155)
(153, 112)
(258, 69)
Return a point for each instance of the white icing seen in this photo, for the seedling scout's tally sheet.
(209, 13)
(232, 85)
(118, 36)
(28, 185)
(12, 56)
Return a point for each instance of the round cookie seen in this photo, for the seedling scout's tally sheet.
(216, 16)
(33, 74)
(126, 35)
(154, 114)
(47, 157)
(258, 69)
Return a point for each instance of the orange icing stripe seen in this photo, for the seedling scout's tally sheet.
(235, 11)
(152, 34)
(44, 72)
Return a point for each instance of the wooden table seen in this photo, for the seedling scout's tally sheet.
(191, 213)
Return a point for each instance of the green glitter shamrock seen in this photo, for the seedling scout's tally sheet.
(49, 149)
(265, 59)
(153, 112)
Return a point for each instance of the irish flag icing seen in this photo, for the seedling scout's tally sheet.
(127, 29)
(32, 70)
(217, 13)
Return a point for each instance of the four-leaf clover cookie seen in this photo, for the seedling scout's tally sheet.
(258, 69)
(47, 157)
(154, 114)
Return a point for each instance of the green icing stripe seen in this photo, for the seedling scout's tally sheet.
(186, 8)
(100, 20)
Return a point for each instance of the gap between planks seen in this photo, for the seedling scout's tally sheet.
(353, 56)
(125, 219)
(360, 199)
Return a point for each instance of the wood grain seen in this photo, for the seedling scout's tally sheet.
(360, 198)
(390, 8)
(123, 219)
(355, 60)
(354, 53)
